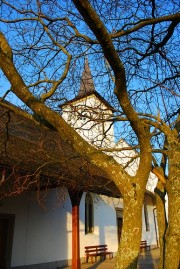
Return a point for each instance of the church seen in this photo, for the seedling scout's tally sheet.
(48, 232)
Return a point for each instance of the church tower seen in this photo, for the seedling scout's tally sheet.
(89, 113)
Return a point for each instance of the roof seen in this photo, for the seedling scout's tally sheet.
(32, 156)
(87, 84)
(28, 149)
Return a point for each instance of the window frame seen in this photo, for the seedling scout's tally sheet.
(146, 218)
(89, 214)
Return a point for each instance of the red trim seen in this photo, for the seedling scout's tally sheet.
(75, 197)
(75, 238)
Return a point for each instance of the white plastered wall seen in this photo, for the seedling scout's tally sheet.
(105, 224)
(90, 129)
(151, 235)
(42, 236)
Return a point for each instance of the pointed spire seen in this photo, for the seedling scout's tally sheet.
(87, 88)
(87, 84)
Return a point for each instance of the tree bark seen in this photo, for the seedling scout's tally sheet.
(128, 251)
(162, 221)
(172, 251)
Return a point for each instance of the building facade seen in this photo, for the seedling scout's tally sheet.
(41, 237)
(37, 233)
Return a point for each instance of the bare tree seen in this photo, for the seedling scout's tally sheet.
(133, 47)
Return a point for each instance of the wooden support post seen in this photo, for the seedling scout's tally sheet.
(75, 197)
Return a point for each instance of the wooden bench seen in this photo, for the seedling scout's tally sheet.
(95, 251)
(144, 245)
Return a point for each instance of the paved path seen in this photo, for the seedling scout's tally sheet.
(147, 260)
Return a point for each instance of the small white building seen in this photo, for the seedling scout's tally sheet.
(33, 236)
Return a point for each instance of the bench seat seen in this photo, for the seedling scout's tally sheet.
(98, 250)
(144, 245)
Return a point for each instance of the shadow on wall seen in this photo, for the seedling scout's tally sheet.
(39, 238)
(105, 222)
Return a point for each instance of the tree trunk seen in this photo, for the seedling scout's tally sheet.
(162, 221)
(128, 252)
(172, 251)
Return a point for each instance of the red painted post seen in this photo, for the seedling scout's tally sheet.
(75, 197)
(75, 238)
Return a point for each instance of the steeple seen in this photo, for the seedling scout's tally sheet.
(87, 84)
(87, 89)
(89, 113)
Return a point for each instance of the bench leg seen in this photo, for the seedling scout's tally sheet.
(95, 259)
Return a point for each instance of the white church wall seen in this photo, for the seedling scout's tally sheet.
(45, 235)
(123, 157)
(89, 126)
(152, 182)
(151, 236)
(49, 231)
(126, 155)
(105, 226)
(19, 207)
(40, 236)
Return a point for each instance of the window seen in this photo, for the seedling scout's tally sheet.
(89, 214)
(146, 218)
